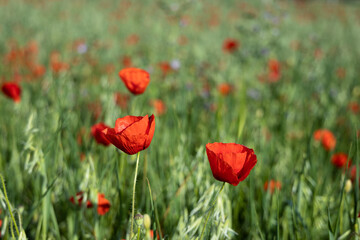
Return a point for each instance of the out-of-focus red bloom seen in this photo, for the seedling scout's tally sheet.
(95, 108)
(121, 100)
(230, 45)
(96, 131)
(339, 160)
(326, 138)
(126, 61)
(165, 68)
(132, 39)
(230, 162)
(225, 89)
(182, 40)
(318, 53)
(272, 185)
(132, 134)
(135, 79)
(354, 107)
(38, 70)
(160, 107)
(79, 197)
(12, 90)
(103, 205)
(341, 73)
(274, 72)
(56, 64)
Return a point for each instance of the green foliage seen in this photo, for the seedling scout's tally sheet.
(47, 154)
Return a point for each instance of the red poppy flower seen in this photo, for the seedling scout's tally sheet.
(165, 68)
(132, 39)
(326, 137)
(121, 100)
(230, 162)
(126, 61)
(354, 107)
(12, 90)
(274, 73)
(230, 45)
(272, 185)
(79, 198)
(341, 73)
(135, 79)
(159, 106)
(96, 131)
(224, 88)
(339, 160)
(132, 134)
(103, 205)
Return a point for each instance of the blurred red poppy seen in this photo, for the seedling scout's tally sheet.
(354, 107)
(230, 162)
(326, 138)
(12, 90)
(103, 205)
(135, 79)
(79, 198)
(341, 73)
(160, 107)
(121, 100)
(272, 185)
(230, 45)
(126, 61)
(132, 134)
(224, 88)
(274, 72)
(96, 131)
(339, 160)
(132, 39)
(165, 68)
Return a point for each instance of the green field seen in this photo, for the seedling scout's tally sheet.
(293, 69)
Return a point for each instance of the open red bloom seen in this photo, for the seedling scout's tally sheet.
(272, 185)
(230, 45)
(135, 79)
(12, 90)
(339, 160)
(132, 134)
(230, 162)
(103, 205)
(96, 131)
(326, 137)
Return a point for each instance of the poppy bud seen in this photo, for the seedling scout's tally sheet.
(147, 221)
(348, 185)
(139, 219)
(135, 79)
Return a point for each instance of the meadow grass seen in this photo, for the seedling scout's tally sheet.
(47, 154)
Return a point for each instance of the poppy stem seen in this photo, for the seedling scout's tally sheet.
(212, 210)
(133, 197)
(9, 206)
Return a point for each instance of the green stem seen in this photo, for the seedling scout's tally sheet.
(212, 210)
(8, 204)
(133, 199)
(138, 234)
